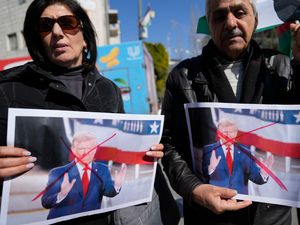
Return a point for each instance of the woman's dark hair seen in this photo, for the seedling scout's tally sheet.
(32, 35)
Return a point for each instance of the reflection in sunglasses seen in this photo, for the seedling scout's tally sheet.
(68, 24)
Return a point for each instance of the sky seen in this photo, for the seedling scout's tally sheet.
(172, 25)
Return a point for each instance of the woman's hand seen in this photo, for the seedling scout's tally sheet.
(156, 151)
(14, 161)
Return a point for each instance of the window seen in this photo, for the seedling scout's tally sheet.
(12, 42)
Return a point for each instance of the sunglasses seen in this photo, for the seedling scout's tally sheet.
(68, 24)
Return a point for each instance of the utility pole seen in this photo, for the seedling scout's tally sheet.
(140, 6)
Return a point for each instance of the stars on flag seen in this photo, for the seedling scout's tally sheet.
(297, 116)
(238, 110)
(154, 127)
(98, 121)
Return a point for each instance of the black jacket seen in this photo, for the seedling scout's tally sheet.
(202, 79)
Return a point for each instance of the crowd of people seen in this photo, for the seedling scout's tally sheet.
(232, 68)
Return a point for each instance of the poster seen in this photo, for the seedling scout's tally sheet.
(254, 149)
(87, 163)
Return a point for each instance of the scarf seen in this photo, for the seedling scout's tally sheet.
(254, 73)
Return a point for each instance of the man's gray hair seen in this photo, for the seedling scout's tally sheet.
(252, 2)
(83, 136)
(224, 122)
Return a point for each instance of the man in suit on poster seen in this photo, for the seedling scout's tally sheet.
(229, 164)
(80, 185)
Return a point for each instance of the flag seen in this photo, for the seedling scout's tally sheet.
(270, 130)
(284, 39)
(267, 17)
(131, 138)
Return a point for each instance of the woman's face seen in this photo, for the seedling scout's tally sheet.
(63, 47)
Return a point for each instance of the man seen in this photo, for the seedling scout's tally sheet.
(80, 185)
(231, 68)
(227, 163)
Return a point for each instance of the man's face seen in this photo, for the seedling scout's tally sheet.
(82, 147)
(227, 134)
(231, 23)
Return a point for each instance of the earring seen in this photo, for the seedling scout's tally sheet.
(85, 54)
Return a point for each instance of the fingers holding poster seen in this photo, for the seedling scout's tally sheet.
(253, 149)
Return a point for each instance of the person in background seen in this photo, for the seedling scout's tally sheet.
(62, 76)
(232, 68)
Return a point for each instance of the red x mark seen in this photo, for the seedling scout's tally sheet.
(259, 163)
(74, 163)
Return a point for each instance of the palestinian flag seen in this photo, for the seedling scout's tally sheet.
(284, 38)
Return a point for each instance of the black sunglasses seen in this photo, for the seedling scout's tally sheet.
(67, 23)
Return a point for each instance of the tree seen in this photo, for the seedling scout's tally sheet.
(160, 58)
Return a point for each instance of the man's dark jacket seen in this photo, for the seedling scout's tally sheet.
(266, 80)
(33, 86)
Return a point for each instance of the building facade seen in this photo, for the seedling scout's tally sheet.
(12, 18)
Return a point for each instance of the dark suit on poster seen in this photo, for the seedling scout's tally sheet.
(244, 168)
(101, 184)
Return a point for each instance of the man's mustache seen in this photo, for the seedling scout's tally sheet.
(231, 33)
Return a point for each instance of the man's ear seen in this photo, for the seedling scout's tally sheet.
(256, 23)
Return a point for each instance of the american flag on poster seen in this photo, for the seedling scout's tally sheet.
(128, 145)
(272, 130)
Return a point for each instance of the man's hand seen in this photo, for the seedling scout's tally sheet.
(217, 199)
(14, 161)
(120, 176)
(156, 151)
(295, 30)
(268, 163)
(214, 162)
(65, 187)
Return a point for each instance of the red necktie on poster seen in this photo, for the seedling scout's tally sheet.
(85, 181)
(229, 159)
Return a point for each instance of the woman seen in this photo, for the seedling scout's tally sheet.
(61, 41)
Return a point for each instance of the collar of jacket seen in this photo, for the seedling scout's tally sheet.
(42, 73)
(251, 84)
(91, 76)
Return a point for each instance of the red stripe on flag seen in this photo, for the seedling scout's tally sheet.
(117, 155)
(273, 146)
(282, 29)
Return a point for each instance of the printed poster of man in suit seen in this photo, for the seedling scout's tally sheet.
(80, 185)
(227, 163)
(211, 139)
(66, 148)
(249, 148)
